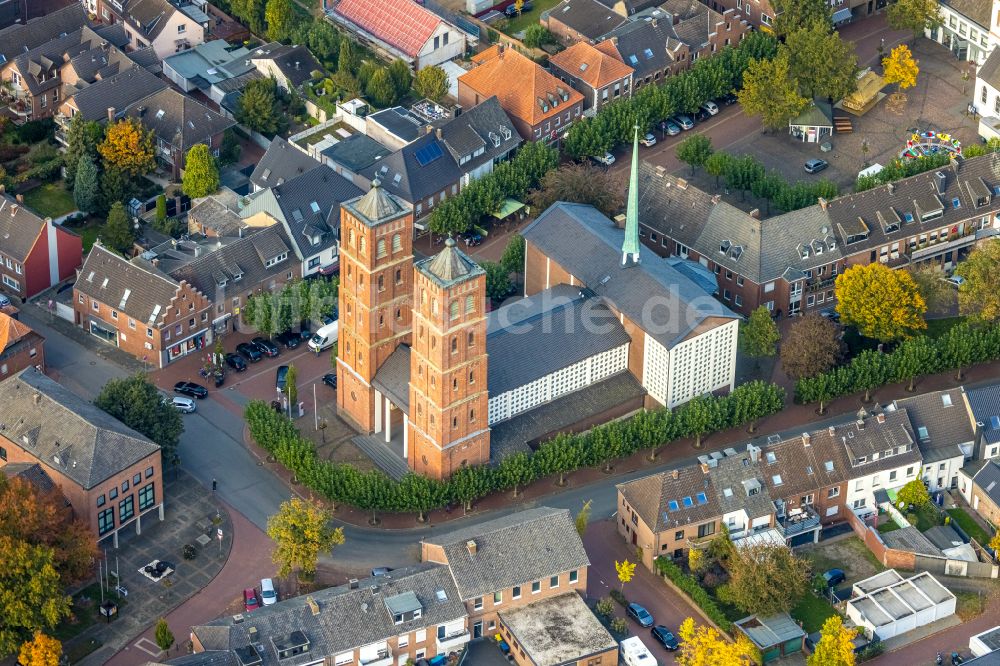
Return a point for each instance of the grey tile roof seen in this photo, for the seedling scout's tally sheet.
(988, 478)
(393, 377)
(533, 337)
(150, 17)
(377, 205)
(281, 162)
(910, 539)
(106, 276)
(742, 483)
(402, 173)
(974, 10)
(19, 229)
(146, 58)
(212, 213)
(941, 422)
(114, 34)
(990, 71)
(645, 47)
(296, 63)
(347, 618)
(943, 537)
(18, 38)
(450, 266)
(30, 472)
(515, 549)
(118, 92)
(178, 119)
(588, 246)
(984, 403)
(650, 497)
(770, 631)
(546, 636)
(66, 432)
(356, 152)
(590, 18)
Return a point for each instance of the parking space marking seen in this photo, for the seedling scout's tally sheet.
(139, 644)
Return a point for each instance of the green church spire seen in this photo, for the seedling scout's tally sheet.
(630, 246)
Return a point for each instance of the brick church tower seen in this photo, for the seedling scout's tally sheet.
(448, 425)
(376, 257)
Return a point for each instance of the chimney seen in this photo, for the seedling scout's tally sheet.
(19, 198)
(891, 187)
(716, 198)
(655, 22)
(37, 398)
(3, 188)
(806, 439)
(352, 584)
(156, 263)
(832, 430)
(428, 129)
(13, 209)
(682, 184)
(313, 606)
(296, 65)
(675, 474)
(111, 114)
(500, 50)
(614, 41)
(458, 111)
(880, 417)
(755, 213)
(470, 545)
(439, 134)
(823, 203)
(941, 181)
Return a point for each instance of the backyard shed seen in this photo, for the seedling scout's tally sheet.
(775, 636)
(888, 605)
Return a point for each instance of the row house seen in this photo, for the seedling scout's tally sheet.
(135, 306)
(166, 27)
(20, 346)
(934, 217)
(964, 29)
(541, 106)
(520, 576)
(591, 70)
(784, 492)
(35, 253)
(110, 475)
(977, 480)
(37, 30)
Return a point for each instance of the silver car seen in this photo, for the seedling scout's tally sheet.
(183, 404)
(684, 121)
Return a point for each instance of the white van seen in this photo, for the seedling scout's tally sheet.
(635, 653)
(325, 337)
(267, 594)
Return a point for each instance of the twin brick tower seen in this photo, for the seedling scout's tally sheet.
(412, 339)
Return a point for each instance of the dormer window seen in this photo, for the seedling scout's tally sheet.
(804, 251)
(276, 259)
(237, 277)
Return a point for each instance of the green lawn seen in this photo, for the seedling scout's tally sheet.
(86, 611)
(812, 612)
(527, 18)
(938, 327)
(890, 526)
(50, 200)
(971, 527)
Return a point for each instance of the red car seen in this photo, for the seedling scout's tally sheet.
(250, 602)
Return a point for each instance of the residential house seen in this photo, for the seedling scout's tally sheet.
(541, 106)
(539, 633)
(165, 26)
(964, 29)
(106, 100)
(399, 29)
(354, 155)
(308, 207)
(511, 562)
(281, 162)
(289, 66)
(206, 65)
(110, 474)
(600, 77)
(986, 96)
(135, 306)
(20, 346)
(581, 20)
(447, 157)
(23, 37)
(983, 405)
(394, 127)
(216, 216)
(35, 254)
(985, 492)
(178, 123)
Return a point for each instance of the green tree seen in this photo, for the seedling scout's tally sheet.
(915, 357)
(201, 173)
(161, 208)
(516, 471)
(229, 151)
(348, 60)
(431, 83)
(136, 402)
(401, 76)
(752, 572)
(512, 259)
(32, 598)
(759, 335)
(536, 36)
(835, 646)
(380, 89)
(301, 530)
(792, 15)
(581, 183)
(914, 15)
(958, 348)
(164, 637)
(743, 172)
(821, 63)
(813, 347)
(768, 187)
(699, 417)
(932, 284)
(769, 91)
(82, 138)
(291, 387)
(979, 295)
(280, 19)
(582, 518)
(913, 493)
(117, 232)
(115, 188)
(717, 164)
(884, 304)
(263, 316)
(694, 151)
(258, 107)
(86, 185)
(498, 285)
(870, 370)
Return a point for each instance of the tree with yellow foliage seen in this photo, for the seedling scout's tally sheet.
(301, 531)
(900, 68)
(696, 560)
(41, 650)
(994, 543)
(834, 647)
(625, 571)
(128, 147)
(705, 646)
(884, 304)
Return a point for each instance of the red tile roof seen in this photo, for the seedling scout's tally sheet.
(591, 65)
(401, 23)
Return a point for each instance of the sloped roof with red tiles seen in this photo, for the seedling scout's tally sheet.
(401, 23)
(596, 68)
(521, 85)
(11, 330)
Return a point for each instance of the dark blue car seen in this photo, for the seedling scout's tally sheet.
(664, 637)
(639, 614)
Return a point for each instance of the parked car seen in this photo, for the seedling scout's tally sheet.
(305, 331)
(664, 637)
(648, 140)
(670, 127)
(831, 314)
(728, 99)
(191, 389)
(290, 339)
(249, 352)
(956, 280)
(268, 596)
(684, 121)
(330, 318)
(639, 614)
(265, 347)
(607, 159)
(236, 362)
(711, 107)
(4, 301)
(325, 338)
(834, 577)
(281, 378)
(183, 405)
(330, 379)
(701, 115)
(816, 165)
(250, 599)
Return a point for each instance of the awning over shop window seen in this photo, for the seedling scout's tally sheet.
(508, 208)
(841, 15)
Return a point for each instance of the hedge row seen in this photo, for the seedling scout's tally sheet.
(696, 592)
(565, 453)
(959, 348)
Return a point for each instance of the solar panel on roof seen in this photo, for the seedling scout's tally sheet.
(428, 153)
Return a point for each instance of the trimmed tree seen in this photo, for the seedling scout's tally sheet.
(431, 82)
(164, 637)
(87, 185)
(759, 335)
(884, 304)
(301, 531)
(117, 232)
(201, 173)
(694, 151)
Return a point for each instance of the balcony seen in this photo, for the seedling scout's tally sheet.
(944, 243)
(452, 642)
(381, 658)
(802, 522)
(819, 285)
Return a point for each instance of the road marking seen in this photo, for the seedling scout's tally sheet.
(139, 644)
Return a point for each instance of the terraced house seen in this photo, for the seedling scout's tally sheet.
(35, 253)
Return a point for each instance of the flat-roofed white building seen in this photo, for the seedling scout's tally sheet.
(888, 605)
